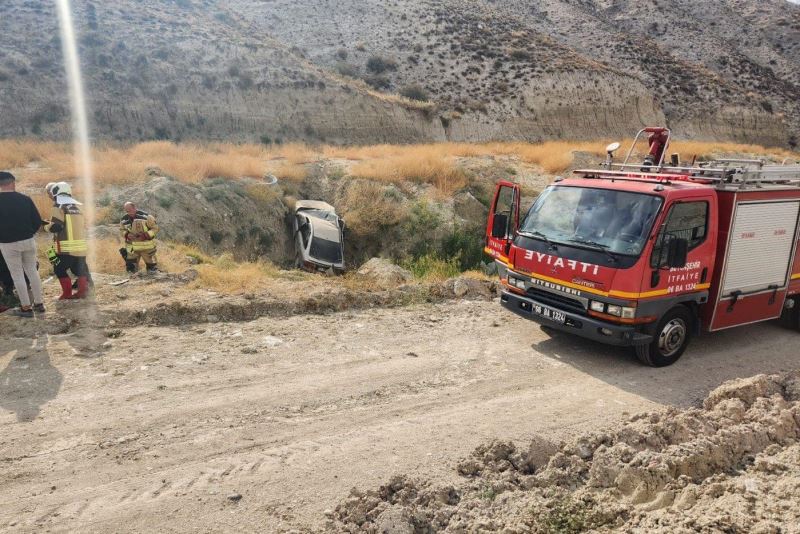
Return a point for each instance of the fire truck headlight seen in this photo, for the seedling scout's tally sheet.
(597, 306)
(613, 309)
(516, 282)
(628, 313)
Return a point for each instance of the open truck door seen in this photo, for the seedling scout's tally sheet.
(502, 224)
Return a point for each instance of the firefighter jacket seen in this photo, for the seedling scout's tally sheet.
(139, 231)
(68, 227)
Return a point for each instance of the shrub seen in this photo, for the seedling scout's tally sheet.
(261, 194)
(346, 69)
(464, 247)
(369, 210)
(216, 237)
(422, 225)
(431, 267)
(378, 82)
(520, 55)
(415, 92)
(379, 65)
(165, 201)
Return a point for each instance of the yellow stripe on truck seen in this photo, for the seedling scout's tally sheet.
(496, 255)
(613, 292)
(796, 276)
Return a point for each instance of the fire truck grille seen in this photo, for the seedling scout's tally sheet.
(554, 299)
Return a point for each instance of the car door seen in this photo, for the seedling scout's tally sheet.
(503, 221)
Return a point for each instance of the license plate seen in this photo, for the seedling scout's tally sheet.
(548, 313)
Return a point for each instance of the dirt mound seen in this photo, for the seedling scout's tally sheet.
(732, 465)
(169, 299)
(245, 217)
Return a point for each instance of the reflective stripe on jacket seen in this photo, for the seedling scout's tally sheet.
(140, 231)
(71, 239)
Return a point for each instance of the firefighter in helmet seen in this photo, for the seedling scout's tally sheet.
(139, 231)
(67, 224)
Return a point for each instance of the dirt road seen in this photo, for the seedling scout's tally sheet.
(265, 425)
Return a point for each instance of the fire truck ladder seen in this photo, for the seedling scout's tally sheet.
(726, 173)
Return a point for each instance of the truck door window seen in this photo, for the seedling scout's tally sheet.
(686, 220)
(505, 204)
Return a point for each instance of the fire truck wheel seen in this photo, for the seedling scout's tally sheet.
(790, 317)
(672, 336)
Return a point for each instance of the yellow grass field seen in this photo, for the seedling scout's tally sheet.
(40, 162)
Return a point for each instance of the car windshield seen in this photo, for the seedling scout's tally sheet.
(326, 251)
(615, 221)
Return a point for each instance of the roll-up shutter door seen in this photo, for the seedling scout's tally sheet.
(762, 245)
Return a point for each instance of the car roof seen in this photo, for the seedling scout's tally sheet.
(314, 205)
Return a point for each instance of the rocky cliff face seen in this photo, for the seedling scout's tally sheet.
(325, 71)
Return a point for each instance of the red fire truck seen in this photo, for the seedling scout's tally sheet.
(649, 254)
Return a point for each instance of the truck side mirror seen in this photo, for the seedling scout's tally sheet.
(500, 225)
(677, 253)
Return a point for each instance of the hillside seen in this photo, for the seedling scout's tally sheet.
(475, 70)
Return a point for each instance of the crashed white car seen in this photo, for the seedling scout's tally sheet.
(318, 237)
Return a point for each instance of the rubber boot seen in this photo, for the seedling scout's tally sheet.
(66, 288)
(83, 288)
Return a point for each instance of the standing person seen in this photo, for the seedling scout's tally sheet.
(68, 227)
(19, 222)
(52, 256)
(138, 229)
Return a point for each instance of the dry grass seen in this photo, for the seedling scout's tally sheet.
(369, 208)
(419, 164)
(228, 276)
(437, 164)
(171, 257)
(39, 163)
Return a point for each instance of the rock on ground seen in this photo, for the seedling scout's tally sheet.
(385, 273)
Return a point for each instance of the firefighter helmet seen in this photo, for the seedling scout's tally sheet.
(61, 188)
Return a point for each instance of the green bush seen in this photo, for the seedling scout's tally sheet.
(165, 201)
(422, 224)
(216, 237)
(432, 267)
(464, 246)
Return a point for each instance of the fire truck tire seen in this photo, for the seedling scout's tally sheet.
(791, 316)
(671, 337)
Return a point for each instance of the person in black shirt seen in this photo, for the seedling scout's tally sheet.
(19, 222)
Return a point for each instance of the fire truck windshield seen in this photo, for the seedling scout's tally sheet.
(614, 221)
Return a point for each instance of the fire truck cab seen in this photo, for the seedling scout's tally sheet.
(648, 255)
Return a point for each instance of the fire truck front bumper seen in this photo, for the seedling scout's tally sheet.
(588, 327)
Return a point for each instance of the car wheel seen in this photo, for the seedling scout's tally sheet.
(671, 338)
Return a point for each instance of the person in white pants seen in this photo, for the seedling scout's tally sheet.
(19, 222)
